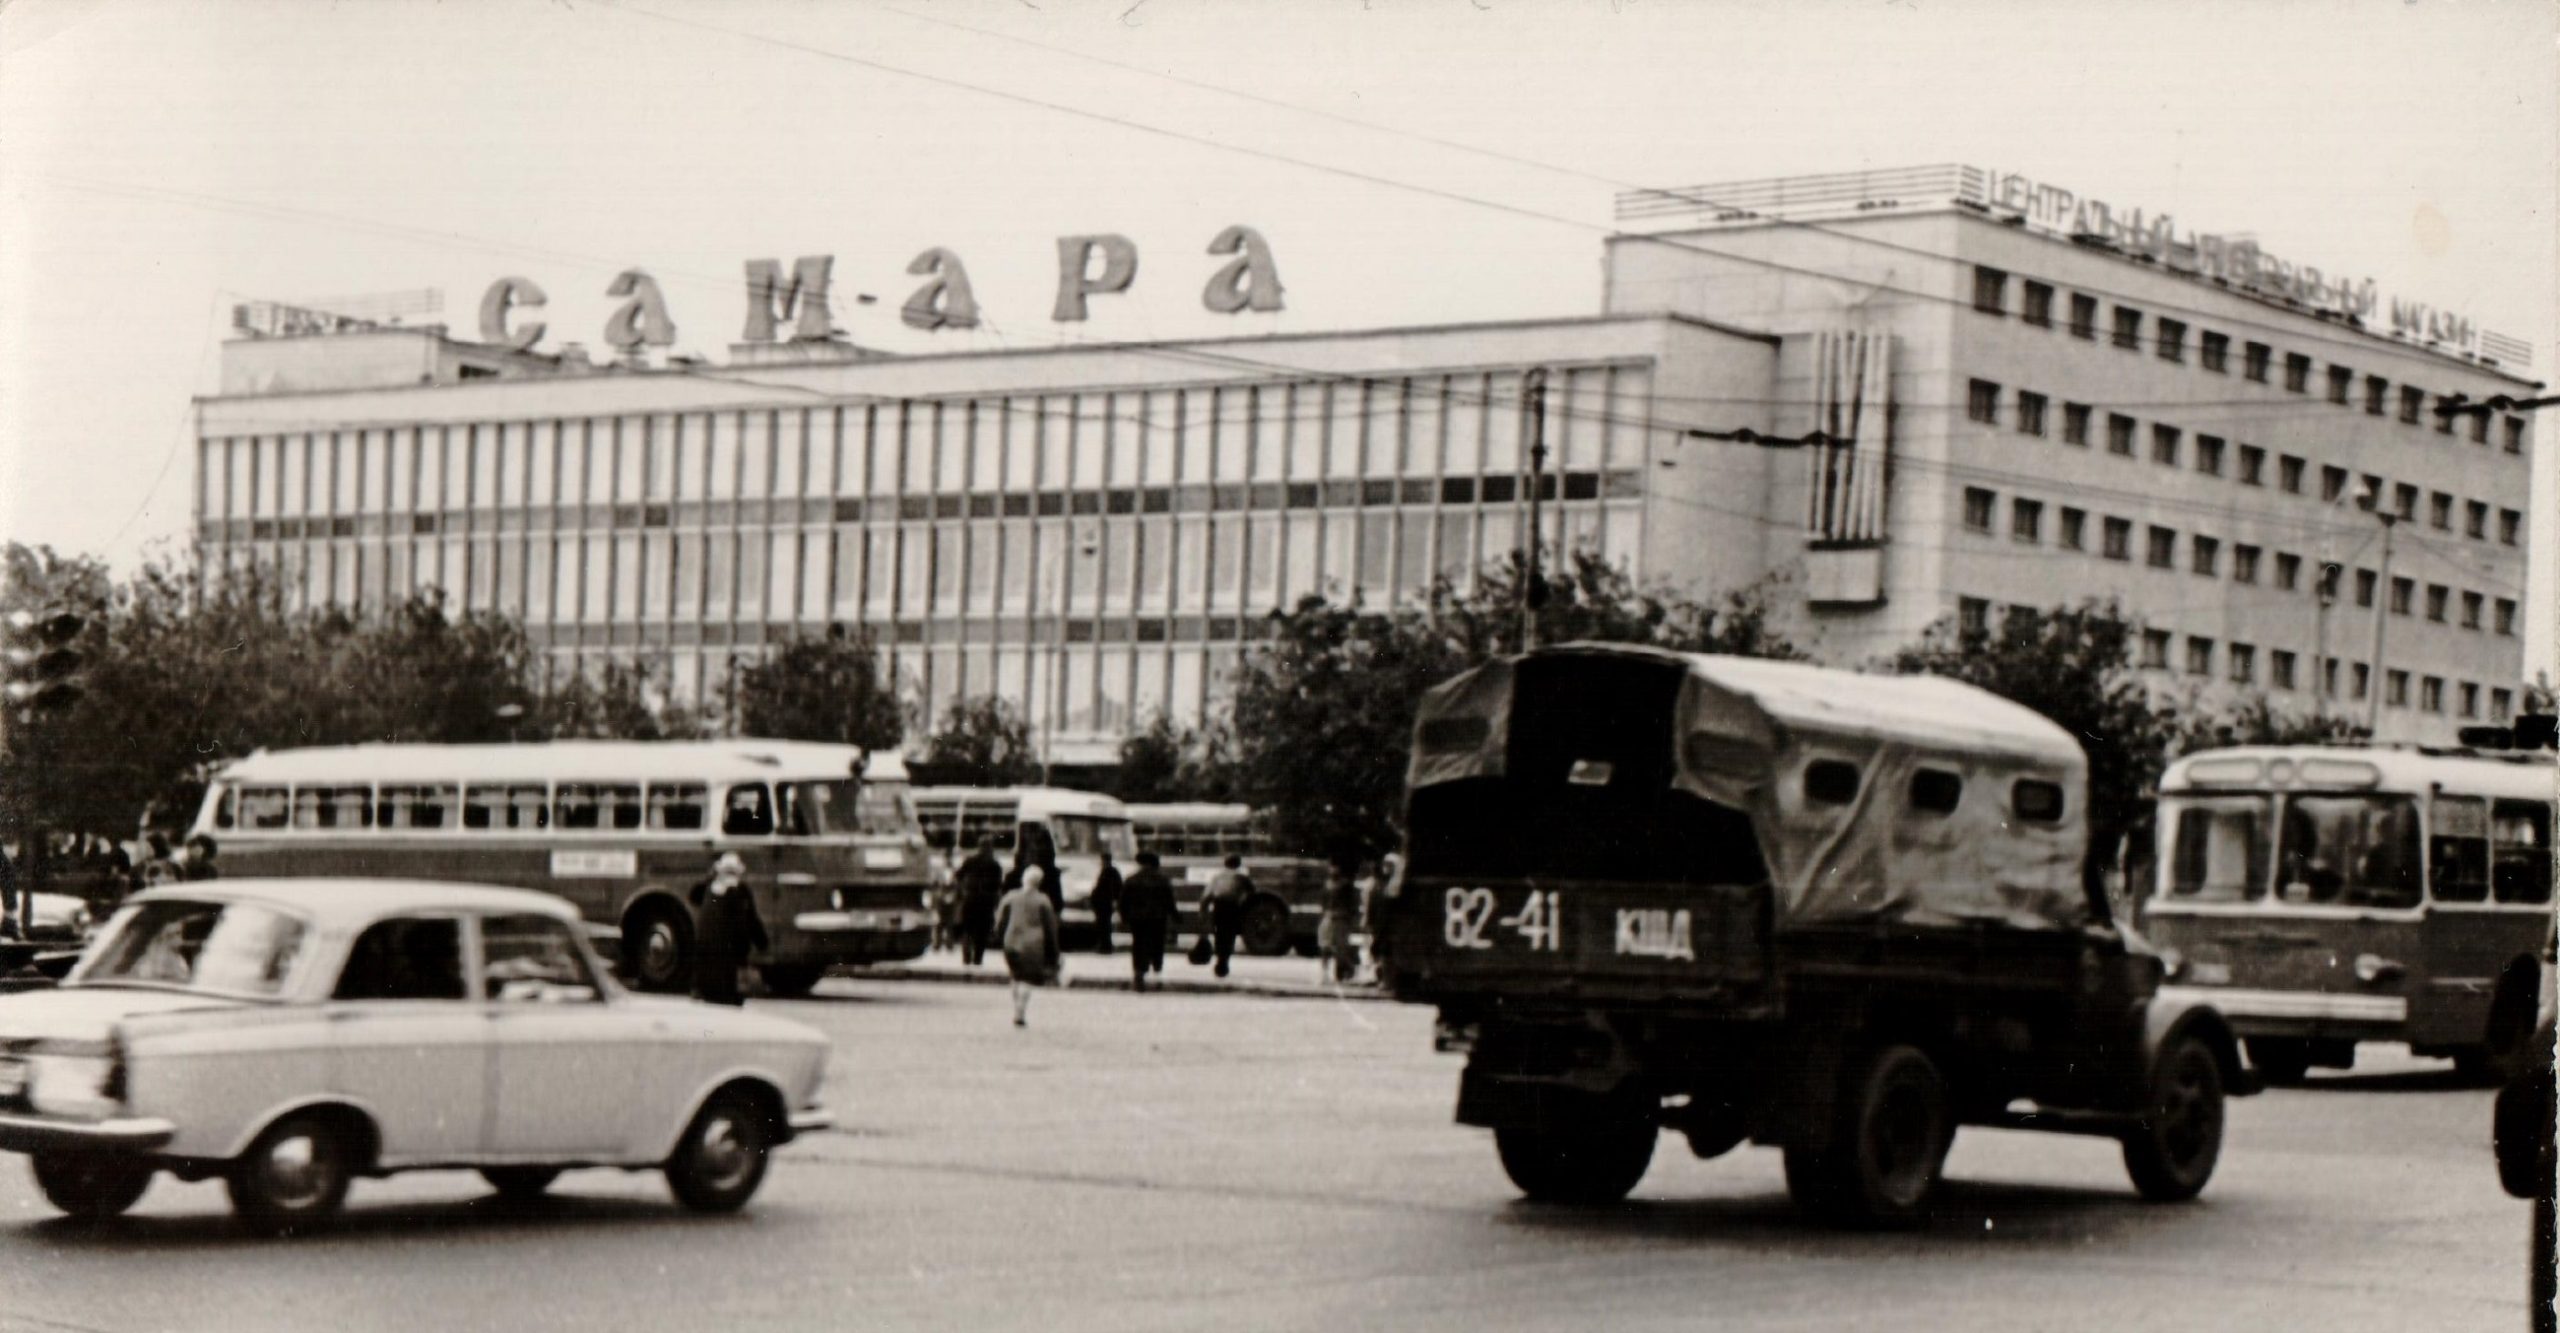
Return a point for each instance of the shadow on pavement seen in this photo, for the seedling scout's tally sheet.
(2446, 1079)
(484, 1216)
(2015, 1214)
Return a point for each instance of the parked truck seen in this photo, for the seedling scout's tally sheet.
(1778, 904)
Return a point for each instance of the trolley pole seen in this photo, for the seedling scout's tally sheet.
(1533, 428)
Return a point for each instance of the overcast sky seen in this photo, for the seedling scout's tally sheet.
(161, 160)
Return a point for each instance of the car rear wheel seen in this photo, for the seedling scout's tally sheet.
(92, 1186)
(1266, 928)
(657, 948)
(520, 1184)
(295, 1176)
(1878, 1162)
(722, 1159)
(790, 981)
(2172, 1153)
(2281, 1061)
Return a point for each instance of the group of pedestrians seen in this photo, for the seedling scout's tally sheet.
(97, 870)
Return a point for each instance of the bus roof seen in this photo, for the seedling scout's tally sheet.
(1195, 812)
(534, 761)
(2520, 774)
(1038, 800)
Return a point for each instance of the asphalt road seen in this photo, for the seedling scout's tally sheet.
(1196, 1162)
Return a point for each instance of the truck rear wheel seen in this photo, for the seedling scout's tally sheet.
(1878, 1162)
(1596, 1162)
(2171, 1155)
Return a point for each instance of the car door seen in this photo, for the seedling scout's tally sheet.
(406, 1041)
(572, 1064)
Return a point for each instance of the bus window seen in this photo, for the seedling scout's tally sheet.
(226, 808)
(1935, 791)
(2520, 851)
(1084, 835)
(2352, 851)
(414, 807)
(2218, 849)
(265, 807)
(678, 807)
(839, 806)
(515, 806)
(332, 807)
(619, 805)
(2458, 851)
(749, 813)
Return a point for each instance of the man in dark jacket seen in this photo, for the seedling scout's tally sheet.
(1105, 900)
(979, 882)
(1146, 903)
(726, 929)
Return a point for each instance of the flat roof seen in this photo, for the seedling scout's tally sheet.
(537, 761)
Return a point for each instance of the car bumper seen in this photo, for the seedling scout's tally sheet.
(893, 920)
(811, 1119)
(27, 1134)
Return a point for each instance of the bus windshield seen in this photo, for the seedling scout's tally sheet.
(836, 807)
(2350, 851)
(1086, 835)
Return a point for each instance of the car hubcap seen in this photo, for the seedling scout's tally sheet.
(725, 1155)
(296, 1174)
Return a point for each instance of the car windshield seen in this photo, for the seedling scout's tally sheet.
(1085, 835)
(2349, 851)
(233, 948)
(840, 806)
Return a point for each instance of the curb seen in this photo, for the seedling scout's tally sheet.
(994, 975)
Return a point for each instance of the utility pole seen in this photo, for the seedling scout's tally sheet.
(1533, 428)
(2381, 620)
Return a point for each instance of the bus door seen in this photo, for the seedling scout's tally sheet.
(2489, 881)
(747, 824)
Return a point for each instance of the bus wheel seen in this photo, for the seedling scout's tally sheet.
(657, 943)
(790, 981)
(1266, 928)
(2281, 1061)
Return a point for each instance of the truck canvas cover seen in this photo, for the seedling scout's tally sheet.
(1745, 733)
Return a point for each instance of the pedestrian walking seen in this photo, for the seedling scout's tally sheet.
(979, 882)
(199, 863)
(1229, 890)
(1105, 900)
(726, 929)
(1035, 853)
(1027, 923)
(1146, 903)
(1341, 904)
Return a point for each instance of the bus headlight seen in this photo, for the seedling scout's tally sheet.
(2371, 968)
(835, 900)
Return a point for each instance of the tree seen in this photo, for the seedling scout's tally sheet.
(1165, 761)
(1322, 714)
(2257, 721)
(983, 742)
(2074, 665)
(619, 701)
(821, 687)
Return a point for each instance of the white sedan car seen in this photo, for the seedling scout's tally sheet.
(290, 1035)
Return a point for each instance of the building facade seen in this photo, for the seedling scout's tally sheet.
(1976, 414)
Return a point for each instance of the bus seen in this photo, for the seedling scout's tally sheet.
(1068, 828)
(1194, 838)
(2320, 896)
(621, 829)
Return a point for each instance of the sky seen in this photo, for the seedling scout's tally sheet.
(1409, 163)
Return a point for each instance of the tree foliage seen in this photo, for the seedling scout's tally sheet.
(1165, 761)
(618, 701)
(983, 741)
(820, 687)
(1323, 707)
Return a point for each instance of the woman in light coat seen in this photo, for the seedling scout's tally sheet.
(1027, 927)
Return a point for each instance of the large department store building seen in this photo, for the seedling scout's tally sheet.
(1887, 399)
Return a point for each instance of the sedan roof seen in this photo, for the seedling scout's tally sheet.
(355, 900)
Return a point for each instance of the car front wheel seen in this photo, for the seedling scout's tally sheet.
(92, 1186)
(295, 1176)
(722, 1158)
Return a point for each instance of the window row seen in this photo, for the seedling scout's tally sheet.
(2215, 456)
(2167, 339)
(2248, 563)
(1462, 424)
(747, 809)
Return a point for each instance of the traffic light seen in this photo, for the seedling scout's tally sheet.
(43, 666)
